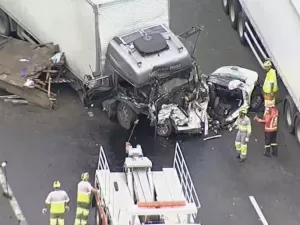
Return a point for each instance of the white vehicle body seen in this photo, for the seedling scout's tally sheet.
(82, 28)
(257, 23)
(236, 74)
(132, 196)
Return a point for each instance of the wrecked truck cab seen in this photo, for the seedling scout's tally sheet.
(148, 69)
(231, 88)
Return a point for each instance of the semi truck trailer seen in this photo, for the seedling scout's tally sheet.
(272, 30)
(81, 28)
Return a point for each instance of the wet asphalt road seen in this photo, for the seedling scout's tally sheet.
(42, 146)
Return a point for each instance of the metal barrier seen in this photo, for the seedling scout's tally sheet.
(104, 170)
(185, 179)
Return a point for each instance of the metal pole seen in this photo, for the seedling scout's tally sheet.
(6, 192)
(6, 183)
(135, 123)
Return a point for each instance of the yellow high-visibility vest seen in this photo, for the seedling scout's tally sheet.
(57, 207)
(83, 197)
(270, 79)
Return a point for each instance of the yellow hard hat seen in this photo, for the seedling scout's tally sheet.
(267, 64)
(243, 110)
(56, 184)
(85, 176)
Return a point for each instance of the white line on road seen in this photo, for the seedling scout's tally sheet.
(13, 202)
(258, 211)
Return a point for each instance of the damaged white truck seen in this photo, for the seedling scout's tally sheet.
(151, 72)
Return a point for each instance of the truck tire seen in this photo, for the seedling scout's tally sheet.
(126, 116)
(257, 99)
(225, 4)
(241, 27)
(234, 10)
(289, 113)
(297, 127)
(166, 129)
(4, 24)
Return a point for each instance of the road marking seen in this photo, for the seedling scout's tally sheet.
(258, 211)
(13, 202)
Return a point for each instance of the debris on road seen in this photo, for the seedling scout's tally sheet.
(14, 99)
(17, 101)
(91, 114)
(212, 137)
(27, 70)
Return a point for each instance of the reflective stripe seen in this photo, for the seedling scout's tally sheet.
(82, 212)
(80, 222)
(238, 146)
(57, 221)
(83, 197)
(246, 128)
(267, 146)
(57, 207)
(243, 151)
(274, 144)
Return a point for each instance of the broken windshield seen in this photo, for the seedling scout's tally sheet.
(171, 84)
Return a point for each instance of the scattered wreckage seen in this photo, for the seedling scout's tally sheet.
(154, 74)
(27, 71)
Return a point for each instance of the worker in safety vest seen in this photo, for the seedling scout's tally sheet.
(58, 202)
(243, 125)
(84, 191)
(270, 120)
(270, 86)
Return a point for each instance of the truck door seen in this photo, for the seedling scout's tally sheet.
(103, 90)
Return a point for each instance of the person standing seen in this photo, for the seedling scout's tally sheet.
(58, 202)
(243, 125)
(270, 120)
(84, 190)
(270, 86)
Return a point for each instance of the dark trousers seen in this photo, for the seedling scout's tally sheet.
(271, 143)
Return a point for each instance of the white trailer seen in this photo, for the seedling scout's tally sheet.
(272, 29)
(142, 196)
(81, 28)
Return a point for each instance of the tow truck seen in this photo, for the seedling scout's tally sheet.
(139, 195)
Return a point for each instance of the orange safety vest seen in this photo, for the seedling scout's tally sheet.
(271, 121)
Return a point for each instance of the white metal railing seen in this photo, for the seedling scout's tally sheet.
(185, 179)
(102, 161)
(104, 184)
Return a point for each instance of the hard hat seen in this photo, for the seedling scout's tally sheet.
(85, 176)
(243, 110)
(56, 184)
(267, 64)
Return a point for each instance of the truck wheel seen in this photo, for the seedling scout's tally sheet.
(297, 127)
(257, 99)
(241, 26)
(166, 129)
(234, 10)
(289, 112)
(4, 24)
(126, 115)
(225, 4)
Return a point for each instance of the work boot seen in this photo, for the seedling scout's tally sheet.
(274, 150)
(238, 156)
(267, 152)
(242, 160)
